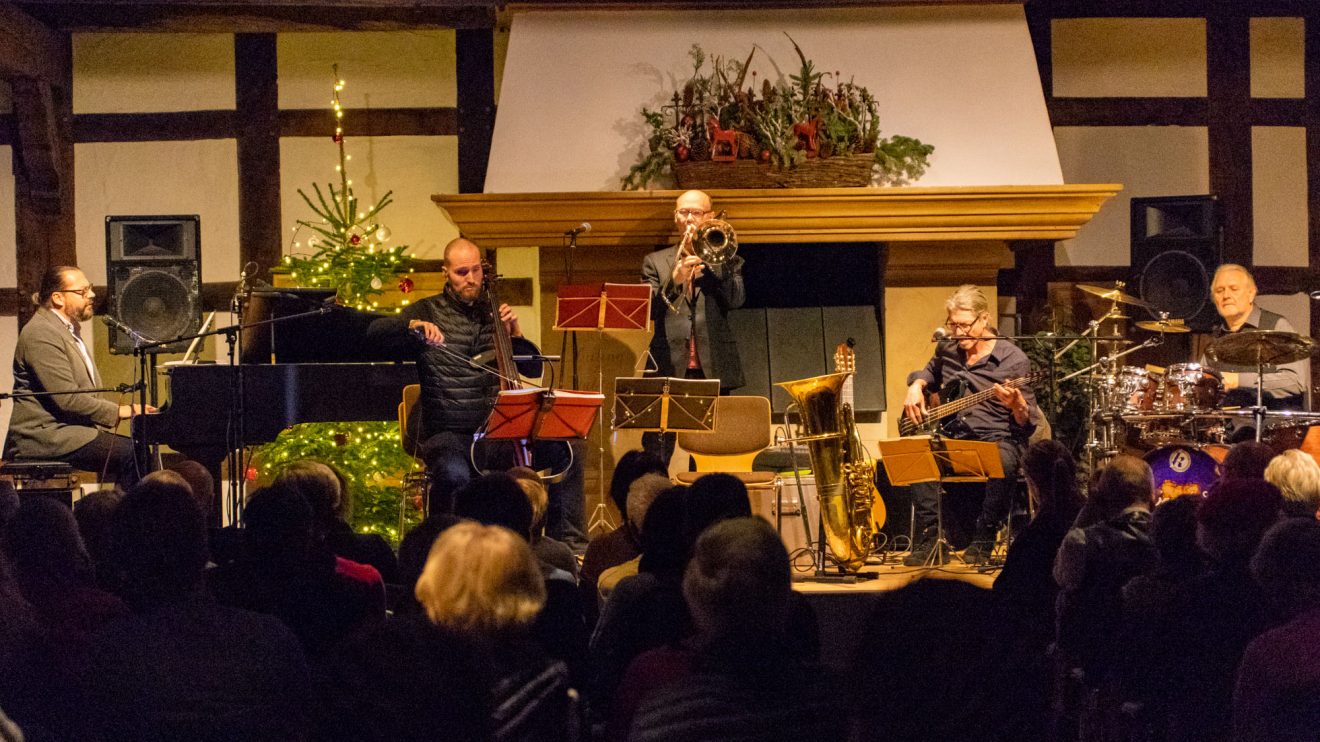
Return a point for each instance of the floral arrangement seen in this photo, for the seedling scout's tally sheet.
(347, 246)
(811, 117)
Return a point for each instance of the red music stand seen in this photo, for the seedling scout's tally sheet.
(537, 414)
(601, 307)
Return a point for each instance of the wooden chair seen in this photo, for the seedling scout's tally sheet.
(742, 430)
(407, 407)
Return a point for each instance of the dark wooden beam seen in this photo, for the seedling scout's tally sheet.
(1163, 8)
(258, 130)
(7, 134)
(43, 186)
(370, 122)
(153, 127)
(29, 48)
(1128, 111)
(1311, 81)
(1228, 88)
(242, 16)
(475, 72)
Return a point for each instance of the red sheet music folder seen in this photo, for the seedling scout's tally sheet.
(543, 414)
(603, 306)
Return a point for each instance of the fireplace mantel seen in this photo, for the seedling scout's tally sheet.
(915, 214)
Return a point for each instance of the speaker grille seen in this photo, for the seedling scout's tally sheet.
(1176, 282)
(160, 304)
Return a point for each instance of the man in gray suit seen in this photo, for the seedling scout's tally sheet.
(690, 303)
(52, 356)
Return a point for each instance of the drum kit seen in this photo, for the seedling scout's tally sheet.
(1175, 416)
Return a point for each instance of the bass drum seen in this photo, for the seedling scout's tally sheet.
(1182, 470)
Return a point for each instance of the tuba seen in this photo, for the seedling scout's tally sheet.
(844, 481)
(715, 241)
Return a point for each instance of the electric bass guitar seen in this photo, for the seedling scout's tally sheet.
(953, 392)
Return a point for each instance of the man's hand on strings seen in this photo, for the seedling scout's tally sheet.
(510, 320)
(1014, 401)
(914, 404)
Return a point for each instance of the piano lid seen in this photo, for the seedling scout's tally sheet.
(338, 336)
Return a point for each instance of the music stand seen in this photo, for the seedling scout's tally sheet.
(536, 414)
(601, 307)
(665, 404)
(919, 459)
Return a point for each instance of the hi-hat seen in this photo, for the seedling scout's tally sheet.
(1255, 347)
(1164, 325)
(1113, 294)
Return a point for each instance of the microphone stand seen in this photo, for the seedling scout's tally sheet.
(233, 334)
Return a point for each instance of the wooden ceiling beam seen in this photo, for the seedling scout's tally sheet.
(28, 48)
(250, 16)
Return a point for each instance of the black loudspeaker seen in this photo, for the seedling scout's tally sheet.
(1175, 250)
(154, 271)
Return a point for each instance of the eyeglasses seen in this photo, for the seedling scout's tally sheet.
(83, 292)
(962, 327)
(691, 212)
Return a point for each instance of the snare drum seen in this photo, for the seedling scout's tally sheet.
(1182, 470)
(1130, 391)
(1188, 387)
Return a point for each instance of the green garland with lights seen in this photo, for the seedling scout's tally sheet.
(371, 459)
(349, 254)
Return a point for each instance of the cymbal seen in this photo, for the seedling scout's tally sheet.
(1112, 294)
(1257, 347)
(1164, 325)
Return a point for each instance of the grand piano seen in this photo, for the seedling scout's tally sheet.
(312, 369)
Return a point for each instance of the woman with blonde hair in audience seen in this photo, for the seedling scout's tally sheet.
(483, 582)
(1297, 475)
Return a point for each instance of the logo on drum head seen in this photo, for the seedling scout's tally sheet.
(1180, 460)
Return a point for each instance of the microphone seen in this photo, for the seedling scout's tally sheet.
(582, 228)
(940, 335)
(112, 322)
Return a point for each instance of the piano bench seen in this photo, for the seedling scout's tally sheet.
(36, 478)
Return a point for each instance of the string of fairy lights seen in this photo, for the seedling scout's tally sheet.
(348, 249)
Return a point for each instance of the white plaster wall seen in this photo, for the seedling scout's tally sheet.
(8, 339)
(961, 78)
(384, 69)
(1278, 195)
(1277, 57)
(8, 228)
(148, 72)
(1148, 161)
(414, 168)
(1129, 56)
(156, 178)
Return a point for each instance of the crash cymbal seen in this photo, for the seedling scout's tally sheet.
(1164, 325)
(1113, 294)
(1257, 347)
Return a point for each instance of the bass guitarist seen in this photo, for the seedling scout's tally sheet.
(971, 359)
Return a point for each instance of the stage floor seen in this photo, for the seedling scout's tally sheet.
(842, 609)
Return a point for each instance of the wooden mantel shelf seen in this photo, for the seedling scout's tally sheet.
(637, 218)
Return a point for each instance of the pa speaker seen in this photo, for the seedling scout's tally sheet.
(1175, 249)
(154, 271)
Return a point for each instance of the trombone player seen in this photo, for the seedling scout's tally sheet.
(690, 304)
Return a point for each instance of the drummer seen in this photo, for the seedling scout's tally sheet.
(1234, 294)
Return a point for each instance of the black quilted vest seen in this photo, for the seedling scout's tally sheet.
(455, 396)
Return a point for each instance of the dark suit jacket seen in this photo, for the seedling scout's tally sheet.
(47, 359)
(718, 291)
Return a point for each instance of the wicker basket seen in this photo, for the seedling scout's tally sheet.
(830, 172)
